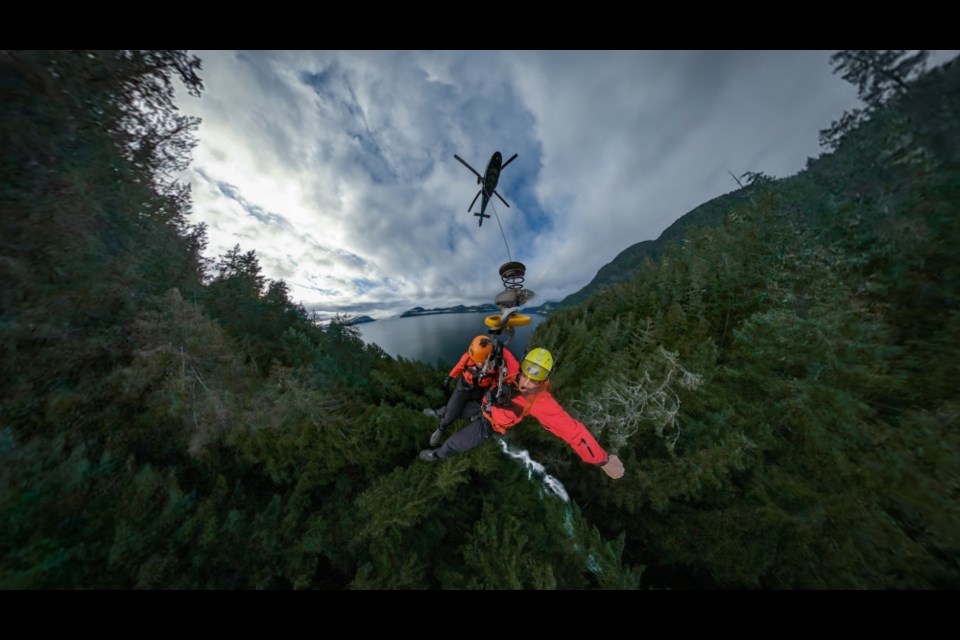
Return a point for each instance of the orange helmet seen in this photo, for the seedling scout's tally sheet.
(480, 348)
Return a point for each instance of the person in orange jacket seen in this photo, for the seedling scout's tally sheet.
(526, 391)
(475, 373)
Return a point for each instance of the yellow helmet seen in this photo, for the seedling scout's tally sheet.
(480, 349)
(537, 364)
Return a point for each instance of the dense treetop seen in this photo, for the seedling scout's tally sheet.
(780, 378)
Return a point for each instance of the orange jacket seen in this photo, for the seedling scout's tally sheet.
(541, 405)
(475, 375)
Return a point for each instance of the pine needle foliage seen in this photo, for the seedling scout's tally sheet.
(780, 380)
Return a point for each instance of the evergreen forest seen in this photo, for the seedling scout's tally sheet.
(780, 383)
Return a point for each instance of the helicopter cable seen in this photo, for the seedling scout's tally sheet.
(509, 257)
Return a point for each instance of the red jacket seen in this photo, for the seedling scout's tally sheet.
(541, 405)
(474, 374)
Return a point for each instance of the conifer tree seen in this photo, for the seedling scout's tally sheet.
(879, 76)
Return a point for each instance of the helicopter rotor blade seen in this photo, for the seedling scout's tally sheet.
(501, 198)
(464, 162)
(504, 165)
(475, 202)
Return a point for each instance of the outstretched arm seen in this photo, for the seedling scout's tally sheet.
(561, 424)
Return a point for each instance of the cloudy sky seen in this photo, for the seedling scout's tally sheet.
(338, 168)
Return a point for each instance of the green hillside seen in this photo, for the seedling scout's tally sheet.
(626, 264)
(781, 384)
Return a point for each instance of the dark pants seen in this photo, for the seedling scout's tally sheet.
(458, 399)
(471, 435)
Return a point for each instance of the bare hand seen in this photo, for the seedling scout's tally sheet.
(613, 468)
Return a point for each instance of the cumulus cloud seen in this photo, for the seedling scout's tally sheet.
(337, 168)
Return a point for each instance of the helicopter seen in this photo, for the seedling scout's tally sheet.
(488, 182)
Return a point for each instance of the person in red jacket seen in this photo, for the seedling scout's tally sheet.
(474, 374)
(526, 392)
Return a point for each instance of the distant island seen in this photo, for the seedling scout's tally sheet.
(420, 311)
(542, 310)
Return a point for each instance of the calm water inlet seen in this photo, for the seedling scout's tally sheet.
(440, 338)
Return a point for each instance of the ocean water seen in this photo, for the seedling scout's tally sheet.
(440, 338)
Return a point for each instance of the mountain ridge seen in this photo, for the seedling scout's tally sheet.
(543, 310)
(628, 261)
